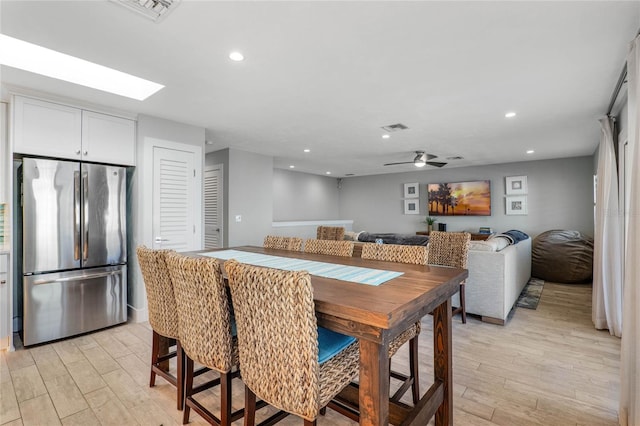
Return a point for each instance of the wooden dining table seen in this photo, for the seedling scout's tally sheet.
(377, 314)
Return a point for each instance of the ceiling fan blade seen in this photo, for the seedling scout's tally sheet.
(436, 163)
(393, 164)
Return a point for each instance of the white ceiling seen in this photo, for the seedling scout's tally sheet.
(327, 75)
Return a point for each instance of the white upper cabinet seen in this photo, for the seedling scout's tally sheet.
(52, 130)
(108, 139)
(47, 129)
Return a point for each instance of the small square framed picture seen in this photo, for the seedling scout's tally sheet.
(516, 205)
(516, 185)
(411, 206)
(411, 190)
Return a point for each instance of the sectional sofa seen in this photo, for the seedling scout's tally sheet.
(498, 271)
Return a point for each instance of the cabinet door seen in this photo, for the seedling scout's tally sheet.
(46, 129)
(108, 139)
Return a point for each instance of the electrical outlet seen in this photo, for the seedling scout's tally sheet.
(238, 218)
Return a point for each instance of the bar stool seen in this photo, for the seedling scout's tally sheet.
(451, 249)
(287, 360)
(330, 233)
(330, 247)
(416, 255)
(206, 332)
(163, 316)
(282, 243)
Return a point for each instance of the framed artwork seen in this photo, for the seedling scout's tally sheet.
(412, 206)
(411, 190)
(459, 198)
(516, 205)
(516, 185)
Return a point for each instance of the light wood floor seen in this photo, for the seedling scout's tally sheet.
(545, 367)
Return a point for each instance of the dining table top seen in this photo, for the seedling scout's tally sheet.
(382, 306)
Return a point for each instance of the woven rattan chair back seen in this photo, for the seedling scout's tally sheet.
(204, 318)
(282, 243)
(449, 249)
(416, 255)
(330, 233)
(277, 336)
(161, 301)
(333, 248)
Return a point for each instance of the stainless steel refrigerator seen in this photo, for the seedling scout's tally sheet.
(74, 248)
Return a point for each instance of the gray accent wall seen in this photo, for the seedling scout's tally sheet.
(302, 196)
(248, 192)
(560, 196)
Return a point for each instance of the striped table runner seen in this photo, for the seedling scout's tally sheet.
(353, 274)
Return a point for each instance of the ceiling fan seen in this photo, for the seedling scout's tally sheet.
(421, 160)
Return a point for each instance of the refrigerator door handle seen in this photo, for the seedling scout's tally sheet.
(77, 277)
(85, 215)
(76, 215)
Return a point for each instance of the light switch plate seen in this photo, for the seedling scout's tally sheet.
(238, 218)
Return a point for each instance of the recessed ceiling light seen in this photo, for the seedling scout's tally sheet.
(292, 166)
(307, 150)
(386, 136)
(510, 114)
(328, 173)
(530, 151)
(40, 60)
(236, 56)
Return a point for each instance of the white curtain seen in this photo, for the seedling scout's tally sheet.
(630, 356)
(607, 254)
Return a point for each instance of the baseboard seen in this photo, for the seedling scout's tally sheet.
(137, 315)
(492, 320)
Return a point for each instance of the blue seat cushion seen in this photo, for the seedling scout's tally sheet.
(331, 344)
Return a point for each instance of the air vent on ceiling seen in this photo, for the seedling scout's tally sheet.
(457, 157)
(394, 127)
(152, 9)
(349, 174)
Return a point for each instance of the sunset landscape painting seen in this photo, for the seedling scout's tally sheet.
(460, 198)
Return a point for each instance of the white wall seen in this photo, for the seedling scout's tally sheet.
(312, 197)
(560, 196)
(148, 129)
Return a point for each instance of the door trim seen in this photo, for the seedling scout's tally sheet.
(147, 190)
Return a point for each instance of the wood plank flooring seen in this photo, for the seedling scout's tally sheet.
(545, 367)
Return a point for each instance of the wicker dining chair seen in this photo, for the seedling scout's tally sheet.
(282, 243)
(163, 317)
(451, 249)
(330, 233)
(330, 247)
(287, 360)
(416, 255)
(205, 327)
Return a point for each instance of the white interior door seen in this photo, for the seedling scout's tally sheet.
(213, 207)
(174, 189)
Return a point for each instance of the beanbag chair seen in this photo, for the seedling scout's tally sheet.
(562, 256)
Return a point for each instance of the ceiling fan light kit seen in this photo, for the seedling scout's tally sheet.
(421, 159)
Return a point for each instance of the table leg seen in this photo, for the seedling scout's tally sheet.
(374, 383)
(442, 361)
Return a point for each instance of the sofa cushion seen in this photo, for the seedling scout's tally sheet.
(494, 244)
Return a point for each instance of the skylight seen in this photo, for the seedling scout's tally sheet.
(40, 60)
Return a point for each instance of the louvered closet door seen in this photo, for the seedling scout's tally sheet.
(173, 206)
(213, 208)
